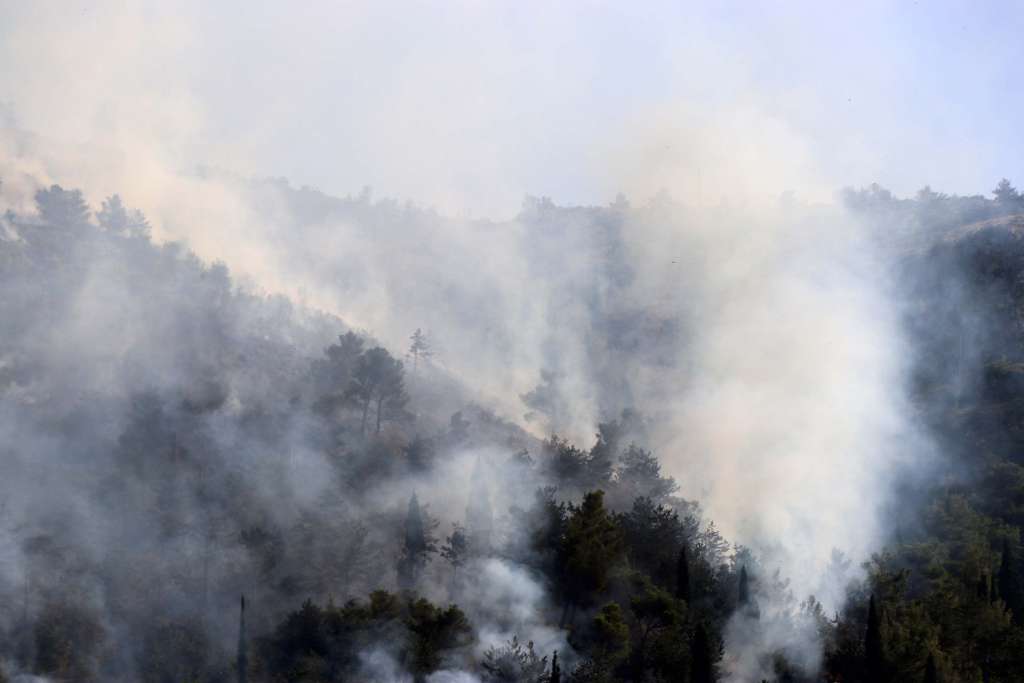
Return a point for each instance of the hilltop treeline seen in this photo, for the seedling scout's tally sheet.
(172, 441)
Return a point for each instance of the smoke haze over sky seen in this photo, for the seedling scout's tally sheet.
(469, 106)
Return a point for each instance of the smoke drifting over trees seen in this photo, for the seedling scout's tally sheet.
(699, 433)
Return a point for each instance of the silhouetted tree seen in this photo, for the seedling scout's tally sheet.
(332, 375)
(60, 207)
(683, 575)
(556, 672)
(419, 349)
(592, 545)
(1005, 192)
(417, 545)
(456, 549)
(378, 378)
(874, 653)
(639, 473)
(114, 217)
(702, 668)
(743, 596)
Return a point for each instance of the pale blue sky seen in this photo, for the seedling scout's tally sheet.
(470, 105)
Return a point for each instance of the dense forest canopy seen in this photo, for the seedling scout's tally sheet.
(174, 440)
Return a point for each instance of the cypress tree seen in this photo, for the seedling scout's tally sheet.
(873, 652)
(683, 576)
(415, 549)
(982, 587)
(701, 668)
(556, 673)
(744, 591)
(931, 672)
(1009, 585)
(243, 654)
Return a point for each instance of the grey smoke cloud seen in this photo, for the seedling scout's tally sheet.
(778, 397)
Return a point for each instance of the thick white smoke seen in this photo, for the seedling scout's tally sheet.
(778, 402)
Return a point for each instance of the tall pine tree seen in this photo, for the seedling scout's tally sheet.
(683, 576)
(931, 672)
(415, 547)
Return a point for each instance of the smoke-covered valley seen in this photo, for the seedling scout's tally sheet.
(735, 423)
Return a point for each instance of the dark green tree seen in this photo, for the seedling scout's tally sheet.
(417, 546)
(592, 545)
(683, 575)
(434, 630)
(332, 374)
(378, 379)
(874, 652)
(702, 668)
(655, 612)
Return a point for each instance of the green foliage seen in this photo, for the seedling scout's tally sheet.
(874, 651)
(683, 575)
(591, 547)
(611, 633)
(324, 643)
(513, 663)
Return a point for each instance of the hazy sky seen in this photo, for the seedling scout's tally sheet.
(471, 105)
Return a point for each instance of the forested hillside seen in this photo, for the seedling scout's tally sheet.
(173, 441)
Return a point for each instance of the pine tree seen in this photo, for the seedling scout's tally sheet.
(417, 545)
(683, 576)
(744, 587)
(1005, 192)
(701, 668)
(243, 646)
(931, 673)
(873, 651)
(556, 673)
(419, 349)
